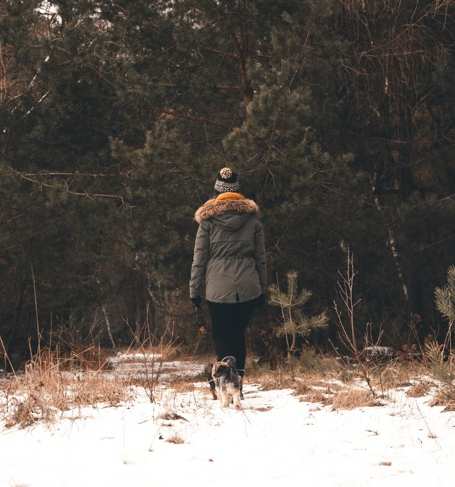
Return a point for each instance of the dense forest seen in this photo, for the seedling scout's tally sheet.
(115, 116)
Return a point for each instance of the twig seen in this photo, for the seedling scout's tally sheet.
(42, 184)
(6, 355)
(38, 330)
(108, 326)
(345, 287)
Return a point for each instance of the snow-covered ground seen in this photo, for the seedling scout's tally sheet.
(187, 439)
(142, 364)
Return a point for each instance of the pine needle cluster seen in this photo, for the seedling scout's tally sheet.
(445, 302)
(294, 321)
(445, 297)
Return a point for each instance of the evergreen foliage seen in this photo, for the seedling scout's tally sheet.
(116, 116)
(294, 322)
(445, 297)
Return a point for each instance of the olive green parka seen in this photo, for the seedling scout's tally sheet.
(229, 252)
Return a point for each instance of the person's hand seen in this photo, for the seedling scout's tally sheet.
(262, 300)
(202, 330)
(197, 301)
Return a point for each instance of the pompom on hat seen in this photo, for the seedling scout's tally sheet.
(227, 181)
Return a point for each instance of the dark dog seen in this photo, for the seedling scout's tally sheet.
(227, 382)
(208, 374)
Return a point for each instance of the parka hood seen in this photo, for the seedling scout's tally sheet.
(229, 262)
(229, 211)
(232, 221)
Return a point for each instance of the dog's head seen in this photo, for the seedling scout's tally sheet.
(223, 367)
(231, 361)
(220, 369)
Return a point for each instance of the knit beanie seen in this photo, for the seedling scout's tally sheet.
(227, 181)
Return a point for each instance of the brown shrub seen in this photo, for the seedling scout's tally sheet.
(316, 396)
(176, 439)
(353, 398)
(420, 389)
(445, 397)
(44, 390)
(276, 379)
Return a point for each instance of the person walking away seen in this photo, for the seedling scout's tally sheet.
(229, 262)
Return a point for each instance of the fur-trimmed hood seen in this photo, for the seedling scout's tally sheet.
(229, 252)
(224, 204)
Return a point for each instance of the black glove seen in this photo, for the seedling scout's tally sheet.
(261, 300)
(198, 315)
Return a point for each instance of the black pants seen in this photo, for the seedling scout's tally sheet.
(229, 323)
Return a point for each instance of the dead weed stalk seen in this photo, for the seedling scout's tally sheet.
(45, 389)
(346, 323)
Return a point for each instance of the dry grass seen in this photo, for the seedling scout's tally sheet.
(296, 376)
(301, 387)
(318, 386)
(145, 365)
(89, 358)
(95, 388)
(49, 385)
(151, 353)
(316, 396)
(397, 375)
(272, 379)
(442, 369)
(185, 385)
(445, 397)
(262, 409)
(434, 357)
(315, 363)
(46, 389)
(176, 439)
(420, 389)
(353, 398)
(337, 384)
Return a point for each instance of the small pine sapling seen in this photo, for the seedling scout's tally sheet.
(445, 302)
(294, 321)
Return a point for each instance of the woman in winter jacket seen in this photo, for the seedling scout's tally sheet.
(229, 263)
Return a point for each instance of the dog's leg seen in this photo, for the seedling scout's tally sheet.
(208, 373)
(213, 389)
(224, 397)
(226, 400)
(236, 399)
(234, 395)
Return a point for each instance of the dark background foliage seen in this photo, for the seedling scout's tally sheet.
(116, 116)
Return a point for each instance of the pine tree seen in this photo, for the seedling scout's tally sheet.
(445, 302)
(295, 322)
(308, 194)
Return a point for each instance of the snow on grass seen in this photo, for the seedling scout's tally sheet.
(188, 439)
(143, 364)
(123, 357)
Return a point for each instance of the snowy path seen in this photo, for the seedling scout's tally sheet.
(275, 440)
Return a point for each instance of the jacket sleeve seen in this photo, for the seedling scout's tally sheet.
(200, 258)
(261, 265)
